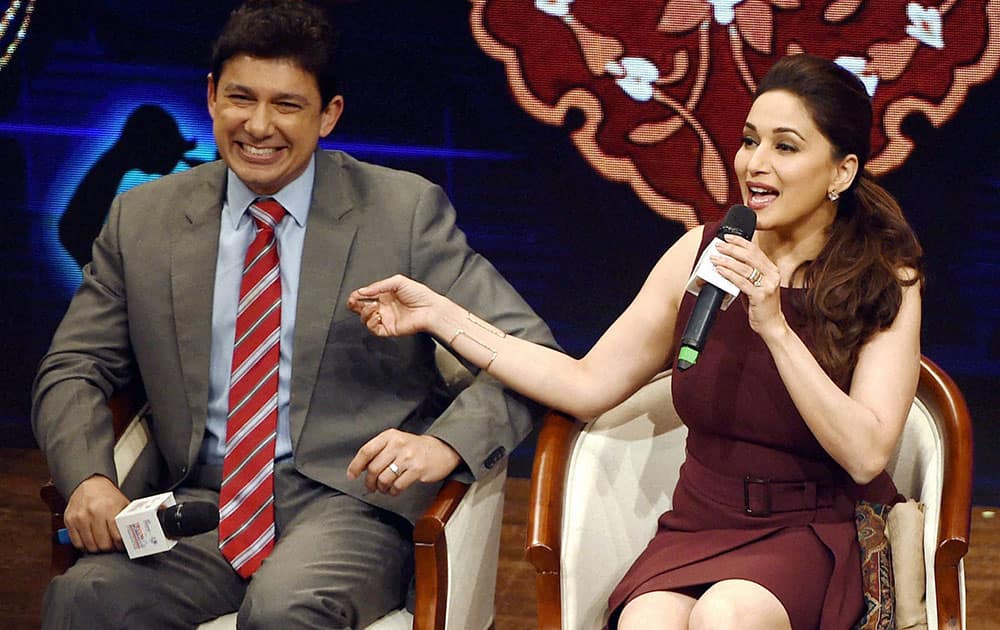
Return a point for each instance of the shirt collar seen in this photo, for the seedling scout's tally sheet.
(295, 197)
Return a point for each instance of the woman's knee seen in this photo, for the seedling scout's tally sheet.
(658, 609)
(738, 604)
(714, 613)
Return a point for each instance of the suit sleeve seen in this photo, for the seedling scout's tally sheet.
(486, 420)
(88, 359)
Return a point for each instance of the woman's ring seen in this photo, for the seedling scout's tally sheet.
(755, 276)
(394, 469)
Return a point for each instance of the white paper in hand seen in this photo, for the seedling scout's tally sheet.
(705, 271)
(140, 528)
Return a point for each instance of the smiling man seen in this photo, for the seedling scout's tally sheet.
(267, 115)
(223, 289)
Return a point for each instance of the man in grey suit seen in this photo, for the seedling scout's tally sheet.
(159, 303)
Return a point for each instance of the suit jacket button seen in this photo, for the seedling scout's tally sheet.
(494, 457)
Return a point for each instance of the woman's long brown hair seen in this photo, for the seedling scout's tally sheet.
(854, 287)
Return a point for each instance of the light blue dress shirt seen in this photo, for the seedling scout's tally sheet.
(235, 234)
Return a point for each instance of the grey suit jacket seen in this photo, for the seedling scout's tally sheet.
(145, 309)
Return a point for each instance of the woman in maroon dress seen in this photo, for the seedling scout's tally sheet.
(798, 398)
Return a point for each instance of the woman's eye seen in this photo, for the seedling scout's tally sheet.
(784, 146)
(748, 141)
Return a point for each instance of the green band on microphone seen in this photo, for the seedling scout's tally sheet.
(688, 355)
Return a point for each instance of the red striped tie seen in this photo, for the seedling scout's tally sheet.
(246, 499)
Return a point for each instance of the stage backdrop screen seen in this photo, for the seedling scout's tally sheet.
(578, 140)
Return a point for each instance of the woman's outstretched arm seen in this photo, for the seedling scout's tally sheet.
(636, 346)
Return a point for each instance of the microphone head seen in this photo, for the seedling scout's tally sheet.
(189, 519)
(740, 220)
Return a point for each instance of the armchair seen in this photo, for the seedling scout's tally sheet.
(456, 541)
(610, 479)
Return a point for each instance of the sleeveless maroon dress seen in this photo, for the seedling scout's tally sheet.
(758, 497)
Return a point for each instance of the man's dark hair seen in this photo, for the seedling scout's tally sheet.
(281, 29)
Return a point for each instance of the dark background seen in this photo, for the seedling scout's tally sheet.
(421, 96)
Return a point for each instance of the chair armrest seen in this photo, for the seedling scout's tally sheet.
(456, 550)
(430, 557)
(956, 495)
(548, 479)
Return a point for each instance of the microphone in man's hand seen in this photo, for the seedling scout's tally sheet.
(742, 221)
(189, 519)
(180, 520)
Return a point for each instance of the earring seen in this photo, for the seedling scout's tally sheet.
(833, 195)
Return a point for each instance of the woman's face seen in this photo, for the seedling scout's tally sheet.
(786, 166)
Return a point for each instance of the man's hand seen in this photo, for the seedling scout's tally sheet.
(90, 515)
(393, 460)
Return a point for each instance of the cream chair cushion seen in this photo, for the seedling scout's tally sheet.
(621, 474)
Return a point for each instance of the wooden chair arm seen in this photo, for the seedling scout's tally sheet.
(548, 479)
(956, 495)
(430, 557)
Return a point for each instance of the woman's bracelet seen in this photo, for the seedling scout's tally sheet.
(496, 332)
(488, 327)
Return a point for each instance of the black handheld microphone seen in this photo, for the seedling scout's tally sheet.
(739, 220)
(184, 519)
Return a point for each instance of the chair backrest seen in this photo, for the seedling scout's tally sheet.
(933, 465)
(623, 468)
(624, 465)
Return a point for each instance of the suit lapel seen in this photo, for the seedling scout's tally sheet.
(193, 259)
(324, 261)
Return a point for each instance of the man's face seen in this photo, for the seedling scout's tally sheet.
(268, 117)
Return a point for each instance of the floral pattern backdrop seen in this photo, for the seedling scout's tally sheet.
(663, 87)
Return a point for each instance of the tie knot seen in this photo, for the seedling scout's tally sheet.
(267, 213)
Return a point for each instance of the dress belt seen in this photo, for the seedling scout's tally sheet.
(757, 496)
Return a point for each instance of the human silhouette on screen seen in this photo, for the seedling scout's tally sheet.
(151, 142)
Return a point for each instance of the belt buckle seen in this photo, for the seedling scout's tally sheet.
(747, 480)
